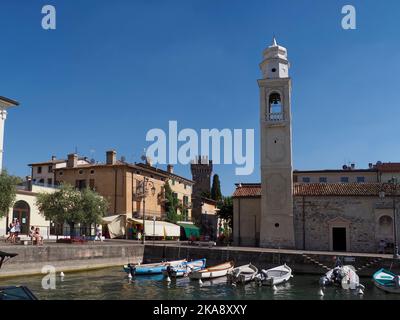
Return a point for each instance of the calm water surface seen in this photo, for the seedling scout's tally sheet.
(113, 284)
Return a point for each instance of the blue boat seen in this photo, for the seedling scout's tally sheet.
(387, 281)
(185, 268)
(150, 268)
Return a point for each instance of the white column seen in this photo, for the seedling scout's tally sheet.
(3, 116)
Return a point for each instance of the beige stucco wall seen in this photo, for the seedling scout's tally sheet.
(246, 221)
(36, 218)
(334, 177)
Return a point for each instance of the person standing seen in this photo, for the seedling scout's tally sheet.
(99, 235)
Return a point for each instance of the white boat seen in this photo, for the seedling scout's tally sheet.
(220, 270)
(274, 276)
(243, 274)
(344, 276)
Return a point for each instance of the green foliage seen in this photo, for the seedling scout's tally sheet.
(226, 210)
(172, 204)
(7, 192)
(94, 206)
(216, 189)
(72, 206)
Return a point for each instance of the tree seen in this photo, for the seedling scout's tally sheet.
(72, 206)
(7, 192)
(226, 210)
(216, 189)
(172, 204)
(94, 206)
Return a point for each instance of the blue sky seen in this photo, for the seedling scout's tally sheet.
(112, 70)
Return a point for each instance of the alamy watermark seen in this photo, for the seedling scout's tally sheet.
(237, 149)
(349, 21)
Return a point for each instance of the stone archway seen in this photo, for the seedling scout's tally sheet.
(22, 212)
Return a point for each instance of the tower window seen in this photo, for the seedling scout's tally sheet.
(273, 70)
(275, 111)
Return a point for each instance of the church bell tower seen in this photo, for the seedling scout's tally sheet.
(277, 230)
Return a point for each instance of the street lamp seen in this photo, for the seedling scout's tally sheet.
(145, 185)
(393, 183)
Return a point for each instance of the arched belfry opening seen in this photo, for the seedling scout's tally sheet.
(275, 107)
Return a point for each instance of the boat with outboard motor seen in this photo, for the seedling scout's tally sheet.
(344, 276)
(242, 274)
(150, 268)
(185, 268)
(274, 276)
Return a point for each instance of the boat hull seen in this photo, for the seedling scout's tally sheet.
(185, 269)
(151, 269)
(386, 281)
(274, 276)
(212, 273)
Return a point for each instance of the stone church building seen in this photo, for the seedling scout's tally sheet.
(324, 210)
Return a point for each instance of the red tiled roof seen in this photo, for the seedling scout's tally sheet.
(337, 189)
(247, 190)
(388, 167)
(319, 189)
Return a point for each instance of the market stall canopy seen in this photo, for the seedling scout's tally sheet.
(158, 228)
(190, 229)
(116, 225)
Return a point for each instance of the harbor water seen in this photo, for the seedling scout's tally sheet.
(113, 284)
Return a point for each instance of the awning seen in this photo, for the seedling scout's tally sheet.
(190, 229)
(158, 228)
(115, 224)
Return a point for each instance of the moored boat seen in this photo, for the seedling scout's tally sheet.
(243, 274)
(217, 271)
(150, 268)
(274, 276)
(185, 268)
(344, 276)
(387, 281)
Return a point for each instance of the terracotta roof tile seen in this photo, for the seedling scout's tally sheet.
(320, 189)
(247, 190)
(389, 167)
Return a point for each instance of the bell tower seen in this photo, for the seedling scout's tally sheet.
(5, 104)
(277, 230)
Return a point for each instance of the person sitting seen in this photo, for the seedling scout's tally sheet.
(38, 237)
(32, 234)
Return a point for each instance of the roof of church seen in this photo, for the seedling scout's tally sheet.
(251, 190)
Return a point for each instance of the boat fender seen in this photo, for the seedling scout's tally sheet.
(321, 292)
(360, 291)
(62, 274)
(396, 280)
(200, 282)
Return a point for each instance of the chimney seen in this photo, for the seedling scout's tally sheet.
(170, 168)
(111, 157)
(353, 166)
(28, 180)
(72, 161)
(53, 158)
(370, 165)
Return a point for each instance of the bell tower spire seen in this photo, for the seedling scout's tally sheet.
(277, 225)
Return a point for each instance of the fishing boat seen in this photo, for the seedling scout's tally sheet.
(243, 274)
(344, 276)
(14, 292)
(274, 276)
(150, 268)
(387, 281)
(217, 271)
(185, 268)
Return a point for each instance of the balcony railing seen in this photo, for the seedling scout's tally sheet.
(275, 117)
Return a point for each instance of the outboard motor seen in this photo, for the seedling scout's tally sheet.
(132, 270)
(324, 281)
(396, 280)
(169, 271)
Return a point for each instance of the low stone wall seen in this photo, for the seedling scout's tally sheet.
(77, 257)
(67, 257)
(306, 262)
